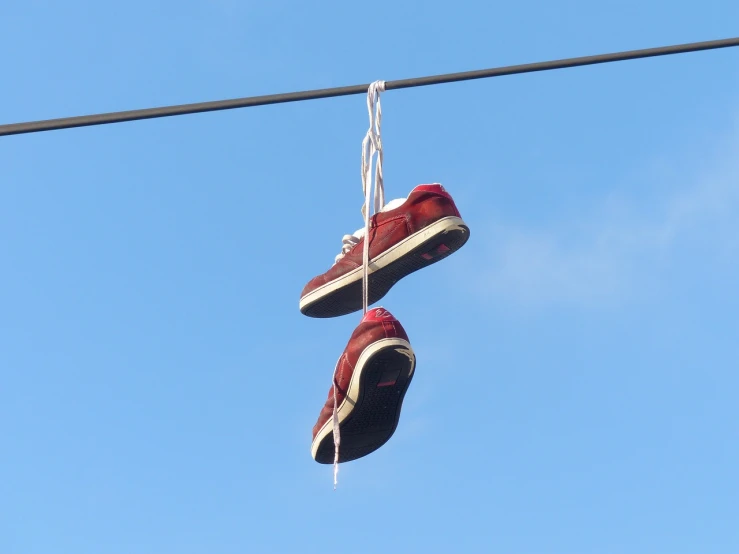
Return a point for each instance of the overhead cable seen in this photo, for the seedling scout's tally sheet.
(200, 107)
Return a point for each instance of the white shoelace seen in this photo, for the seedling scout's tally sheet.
(337, 434)
(371, 145)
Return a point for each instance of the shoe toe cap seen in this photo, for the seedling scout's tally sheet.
(313, 284)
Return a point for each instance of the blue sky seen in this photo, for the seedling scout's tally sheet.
(577, 359)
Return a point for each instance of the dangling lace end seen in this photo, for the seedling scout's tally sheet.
(336, 474)
(337, 437)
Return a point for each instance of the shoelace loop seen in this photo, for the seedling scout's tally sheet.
(371, 145)
(348, 242)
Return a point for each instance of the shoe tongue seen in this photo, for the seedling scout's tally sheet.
(359, 233)
(393, 204)
(378, 314)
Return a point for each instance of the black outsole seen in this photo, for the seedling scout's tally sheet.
(376, 413)
(348, 299)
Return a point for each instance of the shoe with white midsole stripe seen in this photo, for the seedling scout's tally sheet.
(405, 236)
(371, 379)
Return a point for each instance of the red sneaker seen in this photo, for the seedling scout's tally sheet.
(407, 235)
(371, 379)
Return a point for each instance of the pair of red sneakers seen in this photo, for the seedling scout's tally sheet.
(377, 365)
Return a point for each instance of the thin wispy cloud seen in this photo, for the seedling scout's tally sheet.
(615, 251)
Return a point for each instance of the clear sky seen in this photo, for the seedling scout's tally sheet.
(576, 387)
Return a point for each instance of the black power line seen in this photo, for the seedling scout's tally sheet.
(184, 109)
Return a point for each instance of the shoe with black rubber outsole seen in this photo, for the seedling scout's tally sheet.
(371, 379)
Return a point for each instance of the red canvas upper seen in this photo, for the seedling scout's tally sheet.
(424, 205)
